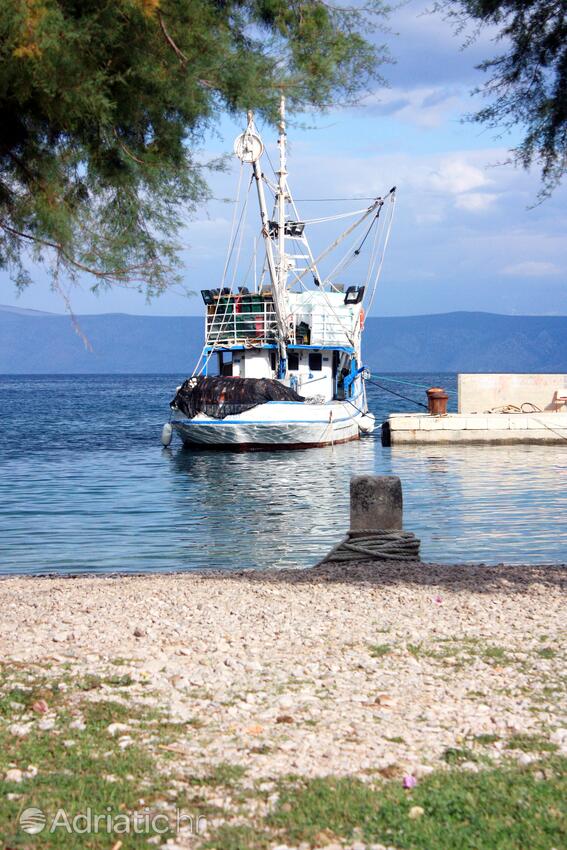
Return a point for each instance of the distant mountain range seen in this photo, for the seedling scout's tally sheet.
(32, 342)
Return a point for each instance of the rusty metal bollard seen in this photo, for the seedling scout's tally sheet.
(437, 401)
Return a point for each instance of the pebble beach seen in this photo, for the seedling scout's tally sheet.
(338, 669)
(366, 670)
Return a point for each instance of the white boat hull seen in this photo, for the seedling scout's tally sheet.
(276, 425)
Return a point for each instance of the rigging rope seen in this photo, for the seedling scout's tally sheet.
(331, 200)
(512, 409)
(333, 217)
(384, 247)
(240, 230)
(372, 223)
(233, 234)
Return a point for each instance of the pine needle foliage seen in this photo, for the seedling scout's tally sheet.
(104, 103)
(527, 82)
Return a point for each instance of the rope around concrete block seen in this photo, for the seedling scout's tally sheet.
(375, 546)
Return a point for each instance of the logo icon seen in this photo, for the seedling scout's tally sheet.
(32, 821)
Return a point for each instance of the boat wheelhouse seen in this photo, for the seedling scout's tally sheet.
(322, 357)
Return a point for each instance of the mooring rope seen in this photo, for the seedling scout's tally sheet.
(399, 381)
(375, 546)
(393, 392)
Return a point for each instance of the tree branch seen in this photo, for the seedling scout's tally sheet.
(179, 53)
(124, 275)
(126, 150)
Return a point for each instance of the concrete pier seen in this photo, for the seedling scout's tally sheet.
(494, 409)
(490, 428)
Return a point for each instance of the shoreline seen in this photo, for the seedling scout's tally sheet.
(302, 573)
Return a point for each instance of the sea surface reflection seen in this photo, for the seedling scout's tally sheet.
(86, 486)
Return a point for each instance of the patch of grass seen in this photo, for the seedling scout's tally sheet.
(124, 681)
(506, 808)
(378, 650)
(458, 652)
(224, 773)
(229, 837)
(486, 739)
(397, 739)
(93, 682)
(101, 714)
(89, 683)
(550, 691)
(531, 744)
(26, 692)
(546, 652)
(458, 755)
(261, 750)
(495, 653)
(72, 777)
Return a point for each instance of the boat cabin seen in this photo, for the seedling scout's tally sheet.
(323, 349)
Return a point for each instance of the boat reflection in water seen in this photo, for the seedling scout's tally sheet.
(466, 503)
(264, 509)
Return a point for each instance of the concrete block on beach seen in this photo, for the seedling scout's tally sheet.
(375, 502)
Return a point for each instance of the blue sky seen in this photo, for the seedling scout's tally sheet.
(463, 238)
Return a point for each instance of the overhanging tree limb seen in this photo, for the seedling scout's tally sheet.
(102, 106)
(527, 85)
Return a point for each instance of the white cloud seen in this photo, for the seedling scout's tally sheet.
(475, 201)
(455, 175)
(532, 268)
(429, 216)
(423, 107)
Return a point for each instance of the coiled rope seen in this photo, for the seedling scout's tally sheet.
(375, 546)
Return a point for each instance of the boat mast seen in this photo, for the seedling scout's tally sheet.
(282, 259)
(282, 197)
(277, 273)
(262, 202)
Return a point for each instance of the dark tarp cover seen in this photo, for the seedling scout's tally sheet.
(222, 396)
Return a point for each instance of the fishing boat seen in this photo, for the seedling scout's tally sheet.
(281, 366)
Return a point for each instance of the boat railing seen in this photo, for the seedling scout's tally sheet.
(248, 320)
(251, 320)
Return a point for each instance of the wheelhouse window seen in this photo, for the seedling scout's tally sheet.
(225, 363)
(315, 361)
(293, 361)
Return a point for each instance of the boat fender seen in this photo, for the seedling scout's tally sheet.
(367, 423)
(166, 434)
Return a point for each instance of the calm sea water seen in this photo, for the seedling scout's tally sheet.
(86, 486)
